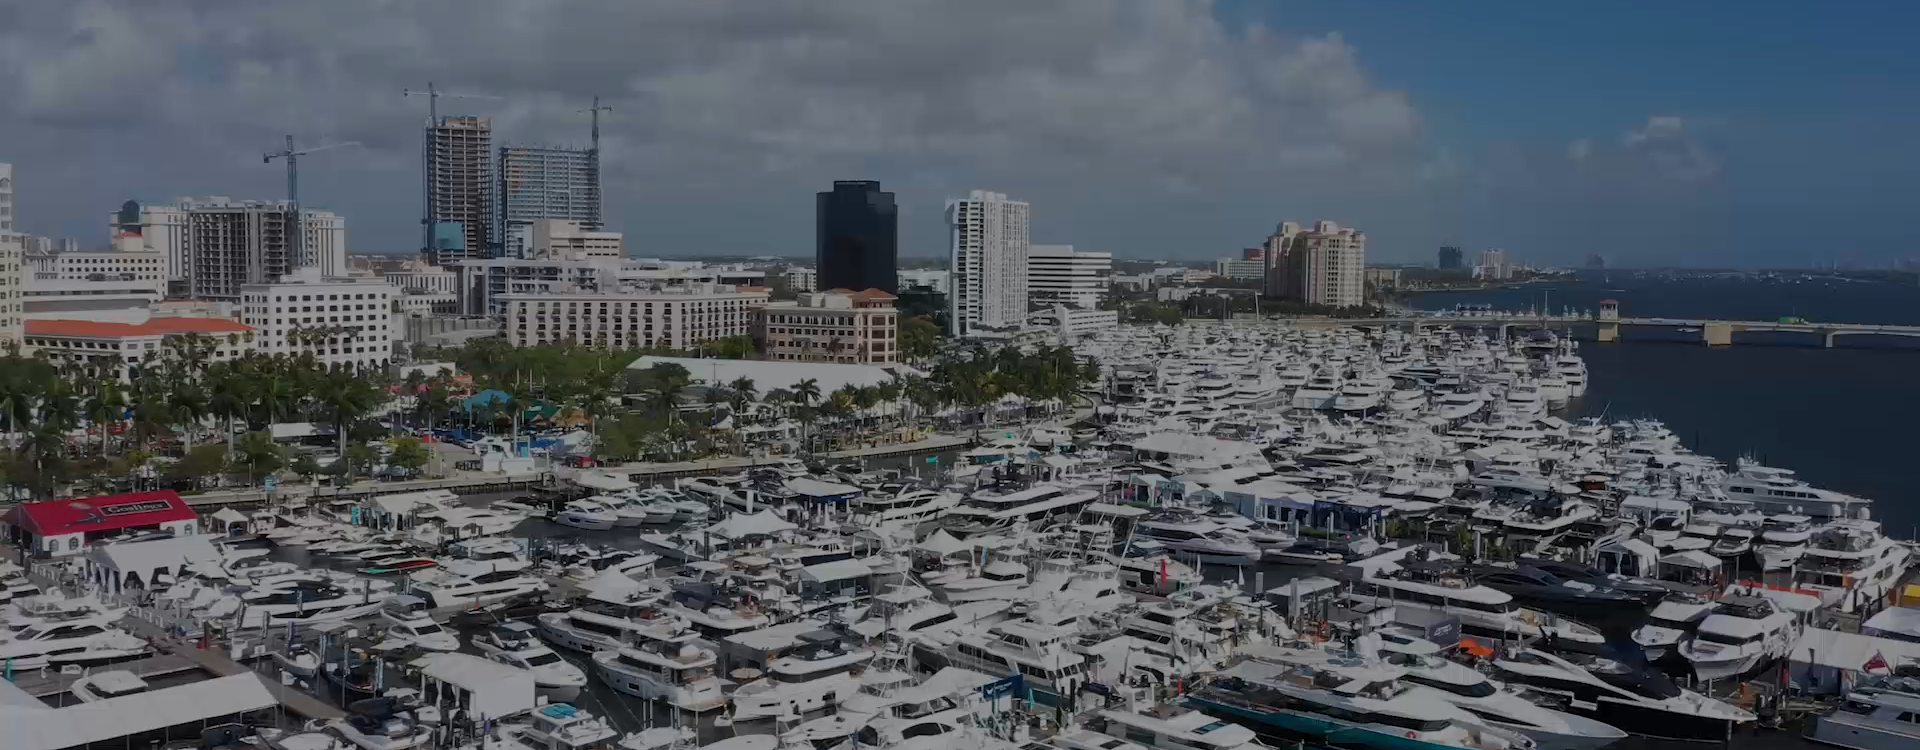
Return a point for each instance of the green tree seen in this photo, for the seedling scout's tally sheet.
(918, 338)
(305, 465)
(358, 457)
(201, 461)
(408, 453)
(256, 455)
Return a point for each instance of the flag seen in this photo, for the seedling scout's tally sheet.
(1877, 662)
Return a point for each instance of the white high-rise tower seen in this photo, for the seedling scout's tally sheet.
(989, 256)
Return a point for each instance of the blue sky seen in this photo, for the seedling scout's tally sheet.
(1704, 134)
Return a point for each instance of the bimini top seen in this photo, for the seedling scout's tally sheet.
(106, 513)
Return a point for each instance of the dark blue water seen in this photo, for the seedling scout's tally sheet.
(1844, 418)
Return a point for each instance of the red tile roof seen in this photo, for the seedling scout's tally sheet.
(153, 327)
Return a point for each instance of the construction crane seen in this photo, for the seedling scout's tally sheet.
(596, 109)
(296, 231)
(426, 157)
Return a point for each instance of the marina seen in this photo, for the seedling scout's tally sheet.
(1355, 537)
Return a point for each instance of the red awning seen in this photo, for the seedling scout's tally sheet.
(106, 513)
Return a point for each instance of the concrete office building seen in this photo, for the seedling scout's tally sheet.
(1240, 269)
(483, 283)
(801, 280)
(417, 276)
(160, 229)
(1058, 274)
(562, 239)
(230, 244)
(13, 281)
(99, 265)
(460, 188)
(6, 198)
(856, 237)
(537, 183)
(633, 317)
(346, 321)
(834, 326)
(933, 279)
(989, 244)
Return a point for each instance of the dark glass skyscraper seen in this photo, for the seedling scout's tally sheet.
(856, 242)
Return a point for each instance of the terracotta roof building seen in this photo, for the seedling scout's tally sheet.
(839, 325)
(118, 349)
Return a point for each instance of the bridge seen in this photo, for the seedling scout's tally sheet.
(1607, 324)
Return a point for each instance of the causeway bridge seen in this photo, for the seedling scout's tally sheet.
(1608, 323)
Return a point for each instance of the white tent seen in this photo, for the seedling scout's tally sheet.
(942, 543)
(739, 525)
(227, 517)
(1692, 558)
(603, 482)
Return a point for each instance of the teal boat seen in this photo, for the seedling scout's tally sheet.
(1346, 704)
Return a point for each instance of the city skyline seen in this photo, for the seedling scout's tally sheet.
(1178, 130)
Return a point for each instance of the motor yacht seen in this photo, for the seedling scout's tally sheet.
(811, 677)
(588, 514)
(1206, 541)
(515, 644)
(1349, 702)
(1740, 636)
(112, 683)
(1877, 715)
(1672, 621)
(1637, 701)
(406, 619)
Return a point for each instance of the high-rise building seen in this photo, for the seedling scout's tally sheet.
(1333, 265)
(1058, 274)
(989, 261)
(1451, 259)
(13, 282)
(460, 188)
(1282, 280)
(158, 229)
(545, 183)
(229, 244)
(1493, 265)
(6, 197)
(856, 240)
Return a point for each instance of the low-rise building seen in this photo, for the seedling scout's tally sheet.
(834, 326)
(346, 321)
(415, 276)
(931, 279)
(411, 302)
(1383, 278)
(1241, 269)
(112, 300)
(561, 239)
(119, 350)
(679, 317)
(1060, 274)
(1073, 322)
(135, 263)
(801, 280)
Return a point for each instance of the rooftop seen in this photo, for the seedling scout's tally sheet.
(166, 326)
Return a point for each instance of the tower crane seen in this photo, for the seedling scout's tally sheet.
(596, 109)
(433, 95)
(296, 230)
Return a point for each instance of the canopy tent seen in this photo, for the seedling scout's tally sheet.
(603, 482)
(942, 543)
(741, 525)
(1692, 558)
(227, 517)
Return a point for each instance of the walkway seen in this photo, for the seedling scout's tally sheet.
(216, 662)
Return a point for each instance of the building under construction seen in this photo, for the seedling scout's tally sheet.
(460, 188)
(231, 243)
(545, 183)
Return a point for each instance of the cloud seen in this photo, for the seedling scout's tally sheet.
(755, 101)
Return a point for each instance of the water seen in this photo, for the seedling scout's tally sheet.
(1841, 417)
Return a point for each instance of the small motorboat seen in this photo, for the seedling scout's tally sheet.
(299, 661)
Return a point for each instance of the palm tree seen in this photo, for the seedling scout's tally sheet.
(186, 406)
(345, 399)
(807, 391)
(109, 402)
(226, 401)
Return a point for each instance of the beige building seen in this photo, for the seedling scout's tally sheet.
(833, 326)
(631, 317)
(560, 239)
(117, 350)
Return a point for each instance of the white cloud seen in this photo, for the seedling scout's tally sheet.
(749, 97)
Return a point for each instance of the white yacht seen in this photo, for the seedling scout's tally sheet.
(1740, 636)
(1319, 392)
(809, 678)
(113, 683)
(560, 726)
(676, 670)
(1348, 702)
(987, 510)
(1483, 611)
(1644, 702)
(609, 620)
(1871, 718)
(588, 514)
(448, 589)
(1173, 729)
(1851, 564)
(1040, 653)
(1208, 541)
(1774, 490)
(406, 619)
(1673, 620)
(1783, 539)
(1498, 705)
(905, 506)
(515, 644)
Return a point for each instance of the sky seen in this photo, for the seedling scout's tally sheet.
(1750, 134)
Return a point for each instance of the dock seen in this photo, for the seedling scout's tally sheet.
(46, 684)
(215, 662)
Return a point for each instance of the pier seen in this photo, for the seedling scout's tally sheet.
(1606, 326)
